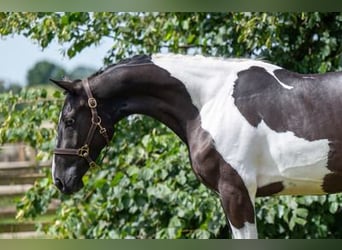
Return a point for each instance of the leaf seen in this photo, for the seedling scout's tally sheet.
(65, 20)
(185, 24)
(57, 94)
(302, 212)
(175, 222)
(71, 52)
(116, 180)
(334, 206)
(292, 222)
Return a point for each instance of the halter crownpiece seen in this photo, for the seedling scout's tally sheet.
(95, 123)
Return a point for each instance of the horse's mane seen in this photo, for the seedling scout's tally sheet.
(138, 59)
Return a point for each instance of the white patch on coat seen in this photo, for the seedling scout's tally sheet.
(270, 69)
(260, 155)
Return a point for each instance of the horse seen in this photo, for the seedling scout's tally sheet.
(252, 128)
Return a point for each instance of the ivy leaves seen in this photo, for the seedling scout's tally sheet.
(25, 117)
(303, 42)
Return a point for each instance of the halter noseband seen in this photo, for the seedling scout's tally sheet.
(95, 122)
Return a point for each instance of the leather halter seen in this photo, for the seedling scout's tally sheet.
(95, 123)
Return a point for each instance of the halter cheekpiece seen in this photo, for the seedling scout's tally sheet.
(95, 123)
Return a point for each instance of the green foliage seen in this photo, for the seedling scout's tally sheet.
(304, 42)
(312, 217)
(145, 188)
(22, 117)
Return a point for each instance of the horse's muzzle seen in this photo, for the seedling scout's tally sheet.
(68, 189)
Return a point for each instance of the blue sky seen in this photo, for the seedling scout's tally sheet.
(18, 54)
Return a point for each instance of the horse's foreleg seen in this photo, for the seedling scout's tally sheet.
(238, 205)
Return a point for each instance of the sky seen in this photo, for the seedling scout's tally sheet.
(18, 54)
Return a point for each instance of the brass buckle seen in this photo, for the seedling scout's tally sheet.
(84, 151)
(92, 103)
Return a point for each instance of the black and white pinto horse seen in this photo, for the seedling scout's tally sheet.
(252, 128)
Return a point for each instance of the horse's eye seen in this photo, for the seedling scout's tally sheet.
(69, 122)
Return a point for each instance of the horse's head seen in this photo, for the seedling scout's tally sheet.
(82, 133)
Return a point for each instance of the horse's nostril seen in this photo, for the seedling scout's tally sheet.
(59, 184)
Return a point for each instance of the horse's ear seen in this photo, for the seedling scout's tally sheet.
(67, 85)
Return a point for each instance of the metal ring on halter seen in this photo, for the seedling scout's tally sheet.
(92, 102)
(98, 122)
(84, 151)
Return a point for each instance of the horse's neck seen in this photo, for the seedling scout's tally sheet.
(150, 90)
